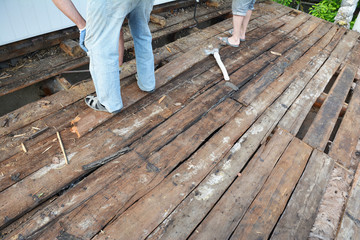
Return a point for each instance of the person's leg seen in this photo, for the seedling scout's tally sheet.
(102, 41)
(245, 24)
(138, 21)
(121, 48)
(239, 12)
(237, 23)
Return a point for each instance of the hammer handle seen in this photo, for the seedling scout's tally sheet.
(221, 65)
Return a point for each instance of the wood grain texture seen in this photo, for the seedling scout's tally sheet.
(322, 126)
(232, 206)
(298, 112)
(113, 200)
(350, 223)
(344, 145)
(299, 215)
(267, 207)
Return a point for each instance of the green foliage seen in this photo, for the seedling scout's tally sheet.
(284, 2)
(326, 9)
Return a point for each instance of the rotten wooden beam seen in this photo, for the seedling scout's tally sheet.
(158, 20)
(71, 48)
(321, 99)
(63, 82)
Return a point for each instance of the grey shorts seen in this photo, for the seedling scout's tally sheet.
(240, 7)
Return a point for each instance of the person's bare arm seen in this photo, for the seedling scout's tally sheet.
(68, 8)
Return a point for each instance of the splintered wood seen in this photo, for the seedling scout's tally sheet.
(199, 158)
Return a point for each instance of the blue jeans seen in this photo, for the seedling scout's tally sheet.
(240, 7)
(104, 21)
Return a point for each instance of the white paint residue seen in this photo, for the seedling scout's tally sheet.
(105, 206)
(43, 171)
(238, 121)
(71, 202)
(137, 123)
(43, 221)
(86, 224)
(143, 179)
(86, 146)
(70, 156)
(226, 139)
(176, 175)
(166, 212)
(205, 193)
(227, 165)
(251, 111)
(213, 157)
(216, 178)
(256, 130)
(122, 131)
(194, 169)
(236, 147)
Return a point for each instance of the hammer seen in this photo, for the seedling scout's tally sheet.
(215, 52)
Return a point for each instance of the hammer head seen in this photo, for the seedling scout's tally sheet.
(211, 51)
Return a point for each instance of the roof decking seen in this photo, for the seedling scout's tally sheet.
(199, 158)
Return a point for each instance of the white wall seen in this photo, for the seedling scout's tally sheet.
(21, 19)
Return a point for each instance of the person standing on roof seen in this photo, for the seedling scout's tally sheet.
(99, 36)
(242, 10)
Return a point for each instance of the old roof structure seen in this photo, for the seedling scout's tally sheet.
(271, 154)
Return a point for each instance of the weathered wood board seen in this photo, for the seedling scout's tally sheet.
(319, 132)
(299, 215)
(206, 158)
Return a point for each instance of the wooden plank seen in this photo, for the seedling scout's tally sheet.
(71, 48)
(25, 175)
(132, 93)
(17, 82)
(263, 125)
(267, 207)
(142, 179)
(65, 84)
(48, 105)
(164, 75)
(344, 145)
(284, 61)
(62, 117)
(321, 99)
(206, 79)
(23, 47)
(235, 201)
(322, 126)
(82, 155)
(300, 212)
(262, 128)
(332, 204)
(160, 54)
(186, 177)
(56, 65)
(297, 113)
(353, 57)
(106, 176)
(158, 20)
(350, 227)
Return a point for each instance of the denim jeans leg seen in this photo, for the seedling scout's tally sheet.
(102, 41)
(138, 22)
